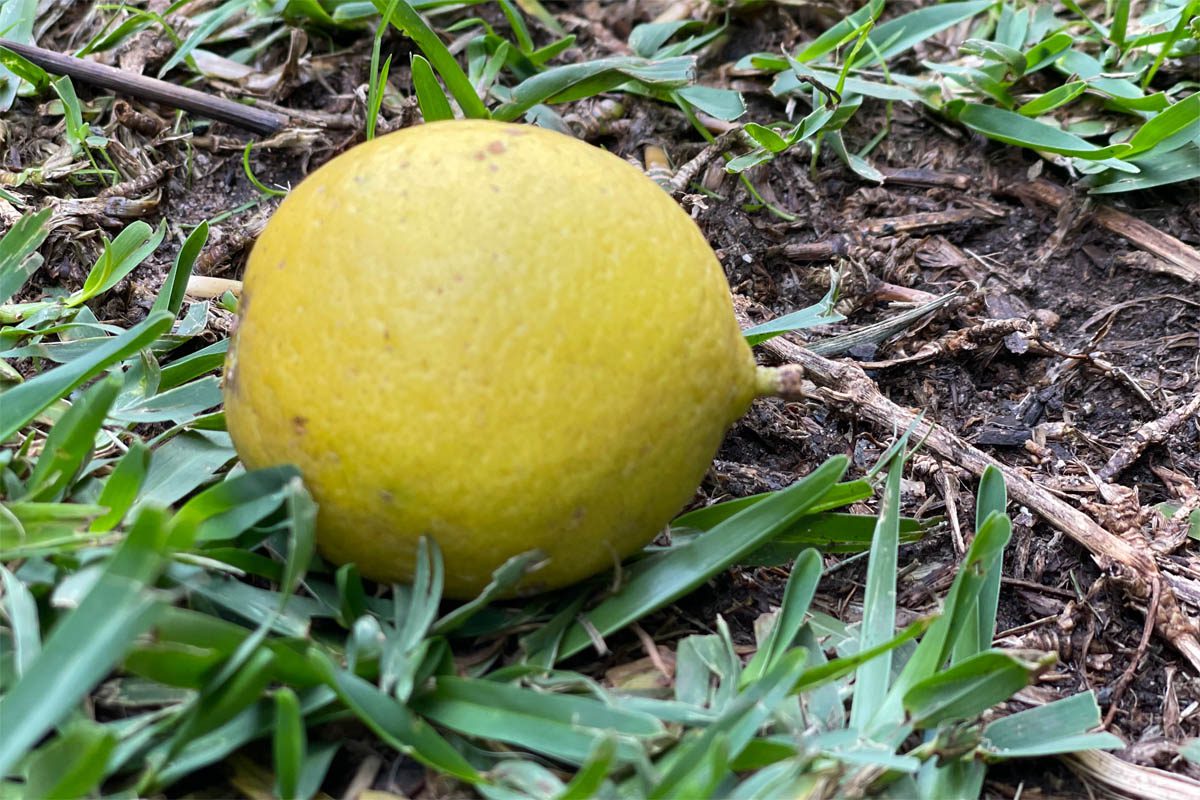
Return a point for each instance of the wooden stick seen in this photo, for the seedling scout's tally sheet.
(147, 88)
(1184, 260)
(846, 386)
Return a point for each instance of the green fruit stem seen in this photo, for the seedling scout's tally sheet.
(785, 381)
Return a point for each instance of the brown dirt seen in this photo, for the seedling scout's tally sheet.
(1083, 284)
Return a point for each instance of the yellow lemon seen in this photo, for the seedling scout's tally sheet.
(493, 335)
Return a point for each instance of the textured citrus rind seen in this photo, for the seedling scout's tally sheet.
(491, 334)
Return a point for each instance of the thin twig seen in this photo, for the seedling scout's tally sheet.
(846, 386)
(688, 171)
(147, 88)
(1152, 432)
(1183, 260)
(1139, 654)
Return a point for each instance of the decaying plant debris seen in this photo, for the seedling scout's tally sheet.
(1068, 354)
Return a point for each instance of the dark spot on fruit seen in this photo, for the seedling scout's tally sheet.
(480, 156)
(496, 148)
(387, 496)
(300, 425)
(493, 168)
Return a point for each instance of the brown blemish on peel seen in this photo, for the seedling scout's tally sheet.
(300, 425)
(496, 148)
(387, 496)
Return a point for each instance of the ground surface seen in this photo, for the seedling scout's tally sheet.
(1087, 288)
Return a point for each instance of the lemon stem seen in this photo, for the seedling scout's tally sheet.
(784, 381)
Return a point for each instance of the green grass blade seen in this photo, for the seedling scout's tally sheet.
(170, 296)
(821, 313)
(840, 33)
(1059, 727)
(208, 27)
(84, 647)
(409, 21)
(378, 78)
(289, 742)
(576, 81)
(73, 764)
(1052, 99)
(182, 464)
(193, 365)
(392, 722)
(977, 635)
(253, 723)
(970, 687)
(840, 667)
(24, 402)
(120, 257)
(432, 102)
(519, 28)
(534, 8)
(731, 733)
(505, 577)
(18, 252)
(315, 768)
(20, 609)
(801, 587)
(16, 23)
(588, 781)
(879, 601)
(665, 577)
(1179, 122)
(838, 496)
(897, 35)
(122, 487)
(1046, 51)
(562, 726)
(1012, 128)
(958, 611)
(70, 442)
(1155, 170)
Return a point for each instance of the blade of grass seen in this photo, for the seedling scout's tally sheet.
(71, 765)
(394, 723)
(20, 609)
(665, 577)
(1013, 128)
(797, 595)
(71, 441)
(566, 727)
(84, 647)
(432, 102)
(410, 22)
(170, 296)
(24, 402)
(120, 257)
(1059, 727)
(992, 499)
(879, 601)
(18, 252)
(970, 687)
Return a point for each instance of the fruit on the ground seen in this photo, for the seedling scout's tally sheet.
(493, 335)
